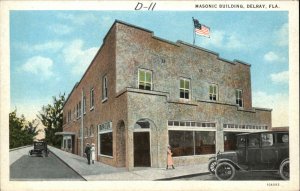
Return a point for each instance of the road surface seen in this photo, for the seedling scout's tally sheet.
(41, 168)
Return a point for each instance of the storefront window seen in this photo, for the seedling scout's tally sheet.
(106, 144)
(69, 143)
(185, 143)
(205, 142)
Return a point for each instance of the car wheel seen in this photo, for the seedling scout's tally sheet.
(284, 170)
(225, 171)
(212, 166)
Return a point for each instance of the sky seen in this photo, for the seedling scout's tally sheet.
(50, 50)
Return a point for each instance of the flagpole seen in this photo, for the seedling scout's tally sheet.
(194, 35)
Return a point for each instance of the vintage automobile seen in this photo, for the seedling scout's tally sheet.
(260, 151)
(39, 148)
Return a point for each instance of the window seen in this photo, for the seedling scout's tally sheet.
(74, 114)
(213, 92)
(91, 131)
(241, 141)
(92, 98)
(253, 141)
(79, 109)
(69, 143)
(184, 88)
(239, 97)
(145, 79)
(104, 88)
(106, 144)
(283, 138)
(267, 139)
(185, 143)
(86, 133)
(84, 104)
(105, 139)
(69, 116)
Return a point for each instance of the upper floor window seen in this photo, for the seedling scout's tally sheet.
(91, 131)
(79, 107)
(74, 114)
(69, 116)
(184, 88)
(86, 133)
(104, 88)
(77, 111)
(145, 79)
(239, 97)
(213, 92)
(84, 104)
(92, 98)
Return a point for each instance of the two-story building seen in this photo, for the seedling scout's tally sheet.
(142, 93)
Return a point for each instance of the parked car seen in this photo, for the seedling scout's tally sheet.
(39, 148)
(260, 151)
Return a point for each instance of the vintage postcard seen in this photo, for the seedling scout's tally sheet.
(149, 95)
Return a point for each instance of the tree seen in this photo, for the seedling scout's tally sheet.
(51, 117)
(21, 131)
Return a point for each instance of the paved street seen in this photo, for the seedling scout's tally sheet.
(239, 176)
(41, 168)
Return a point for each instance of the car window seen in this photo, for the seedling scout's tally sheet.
(253, 141)
(267, 139)
(282, 138)
(241, 142)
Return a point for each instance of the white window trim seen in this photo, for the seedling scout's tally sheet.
(138, 81)
(84, 105)
(104, 89)
(190, 89)
(241, 97)
(217, 91)
(103, 132)
(92, 106)
(99, 139)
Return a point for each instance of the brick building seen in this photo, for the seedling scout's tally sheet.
(142, 93)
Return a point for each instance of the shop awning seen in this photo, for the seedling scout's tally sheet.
(64, 133)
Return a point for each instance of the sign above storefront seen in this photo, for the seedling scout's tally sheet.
(105, 126)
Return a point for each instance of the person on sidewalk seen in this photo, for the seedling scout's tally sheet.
(93, 153)
(87, 151)
(170, 159)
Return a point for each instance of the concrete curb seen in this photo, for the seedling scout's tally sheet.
(183, 176)
(68, 165)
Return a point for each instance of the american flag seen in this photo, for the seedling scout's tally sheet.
(201, 29)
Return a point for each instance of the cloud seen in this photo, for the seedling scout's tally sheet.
(271, 56)
(60, 29)
(52, 46)
(79, 19)
(274, 57)
(280, 78)
(282, 35)
(39, 65)
(78, 57)
(278, 102)
(220, 39)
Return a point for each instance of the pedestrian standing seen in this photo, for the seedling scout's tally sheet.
(88, 152)
(170, 159)
(93, 153)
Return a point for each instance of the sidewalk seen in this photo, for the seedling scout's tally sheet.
(100, 171)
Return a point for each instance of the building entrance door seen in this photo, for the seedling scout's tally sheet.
(141, 149)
